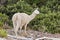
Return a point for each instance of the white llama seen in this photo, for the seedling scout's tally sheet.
(22, 19)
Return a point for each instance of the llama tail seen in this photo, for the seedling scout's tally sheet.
(14, 20)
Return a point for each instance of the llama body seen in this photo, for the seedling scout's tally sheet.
(22, 19)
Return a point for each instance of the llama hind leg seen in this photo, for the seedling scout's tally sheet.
(14, 25)
(16, 29)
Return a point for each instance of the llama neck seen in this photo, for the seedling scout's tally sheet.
(32, 16)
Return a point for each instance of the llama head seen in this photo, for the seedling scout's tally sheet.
(36, 11)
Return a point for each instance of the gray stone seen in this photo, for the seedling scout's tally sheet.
(2, 39)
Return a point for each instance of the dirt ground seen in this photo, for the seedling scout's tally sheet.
(32, 33)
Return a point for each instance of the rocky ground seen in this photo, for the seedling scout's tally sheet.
(31, 35)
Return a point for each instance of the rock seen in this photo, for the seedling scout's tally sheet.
(47, 38)
(11, 37)
(2, 39)
(32, 35)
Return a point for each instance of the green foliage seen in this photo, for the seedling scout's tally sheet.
(47, 21)
(3, 19)
(3, 33)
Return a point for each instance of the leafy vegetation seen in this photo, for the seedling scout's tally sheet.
(3, 19)
(3, 33)
(47, 21)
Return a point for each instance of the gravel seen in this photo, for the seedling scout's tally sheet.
(31, 35)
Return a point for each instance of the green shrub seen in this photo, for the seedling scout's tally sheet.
(3, 19)
(49, 22)
(3, 33)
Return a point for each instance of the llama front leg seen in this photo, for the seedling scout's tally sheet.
(20, 28)
(25, 28)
